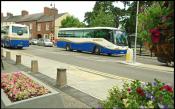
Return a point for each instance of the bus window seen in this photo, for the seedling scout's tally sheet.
(61, 34)
(120, 38)
(69, 34)
(15, 29)
(88, 33)
(78, 33)
(103, 34)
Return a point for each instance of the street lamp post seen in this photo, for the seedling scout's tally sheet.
(134, 59)
(53, 20)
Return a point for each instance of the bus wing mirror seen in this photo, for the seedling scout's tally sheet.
(19, 32)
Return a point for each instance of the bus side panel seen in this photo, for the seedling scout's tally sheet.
(109, 51)
(82, 46)
(61, 44)
(19, 43)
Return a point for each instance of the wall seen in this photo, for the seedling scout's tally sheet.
(58, 23)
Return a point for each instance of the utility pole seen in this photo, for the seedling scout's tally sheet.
(134, 59)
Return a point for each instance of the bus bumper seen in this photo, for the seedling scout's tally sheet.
(19, 43)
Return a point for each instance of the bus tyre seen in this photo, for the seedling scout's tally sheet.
(97, 50)
(68, 48)
(109, 54)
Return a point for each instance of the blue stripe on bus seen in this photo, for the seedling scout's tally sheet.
(17, 43)
(89, 47)
(109, 51)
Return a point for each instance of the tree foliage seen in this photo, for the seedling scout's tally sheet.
(156, 27)
(102, 15)
(71, 21)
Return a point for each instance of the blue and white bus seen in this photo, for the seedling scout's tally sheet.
(15, 36)
(98, 40)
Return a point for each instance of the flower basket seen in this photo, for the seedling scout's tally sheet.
(141, 95)
(20, 90)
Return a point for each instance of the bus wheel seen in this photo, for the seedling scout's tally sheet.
(97, 50)
(68, 48)
(109, 54)
(19, 47)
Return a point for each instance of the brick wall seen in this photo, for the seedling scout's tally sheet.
(23, 12)
(43, 28)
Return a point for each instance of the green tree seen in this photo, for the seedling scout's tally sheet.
(158, 18)
(71, 21)
(102, 15)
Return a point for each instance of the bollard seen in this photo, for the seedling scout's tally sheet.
(8, 55)
(18, 59)
(61, 79)
(34, 66)
(129, 56)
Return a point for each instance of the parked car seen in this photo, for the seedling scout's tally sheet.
(45, 42)
(33, 42)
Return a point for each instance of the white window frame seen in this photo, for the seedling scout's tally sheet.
(39, 27)
(47, 26)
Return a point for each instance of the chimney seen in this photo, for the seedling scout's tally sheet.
(9, 14)
(23, 12)
(46, 11)
(54, 11)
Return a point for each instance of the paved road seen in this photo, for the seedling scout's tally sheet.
(107, 64)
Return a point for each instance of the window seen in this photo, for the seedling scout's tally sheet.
(88, 33)
(120, 38)
(47, 26)
(5, 30)
(30, 26)
(61, 34)
(78, 33)
(46, 36)
(39, 27)
(69, 33)
(16, 29)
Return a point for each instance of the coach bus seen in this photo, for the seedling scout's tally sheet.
(14, 36)
(97, 40)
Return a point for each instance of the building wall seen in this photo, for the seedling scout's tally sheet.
(43, 30)
(58, 23)
(7, 23)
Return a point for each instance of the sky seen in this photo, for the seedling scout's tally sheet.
(75, 8)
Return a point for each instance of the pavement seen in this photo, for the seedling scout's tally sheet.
(85, 87)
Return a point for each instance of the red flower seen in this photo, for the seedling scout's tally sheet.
(129, 89)
(155, 35)
(140, 91)
(167, 88)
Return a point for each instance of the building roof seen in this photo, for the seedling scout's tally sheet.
(50, 18)
(4, 19)
(39, 17)
(31, 17)
(13, 18)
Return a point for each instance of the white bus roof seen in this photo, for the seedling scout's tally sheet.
(110, 28)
